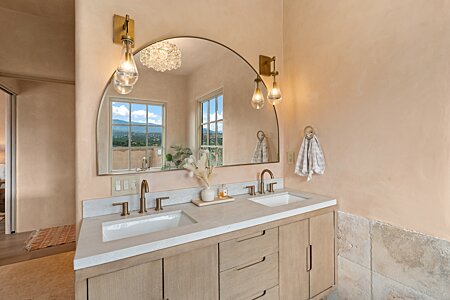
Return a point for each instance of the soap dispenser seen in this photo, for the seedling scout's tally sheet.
(223, 191)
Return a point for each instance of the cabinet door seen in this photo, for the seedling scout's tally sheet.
(192, 275)
(138, 282)
(322, 252)
(294, 277)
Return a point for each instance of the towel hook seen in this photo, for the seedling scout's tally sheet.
(260, 135)
(309, 132)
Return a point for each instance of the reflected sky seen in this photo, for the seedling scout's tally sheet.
(121, 113)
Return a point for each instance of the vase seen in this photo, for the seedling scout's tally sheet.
(208, 194)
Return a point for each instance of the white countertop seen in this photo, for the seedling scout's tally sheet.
(211, 221)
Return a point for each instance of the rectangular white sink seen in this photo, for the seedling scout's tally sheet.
(126, 228)
(277, 199)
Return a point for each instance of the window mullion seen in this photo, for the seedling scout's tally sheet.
(129, 136)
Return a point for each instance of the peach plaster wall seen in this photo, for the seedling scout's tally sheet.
(373, 78)
(234, 23)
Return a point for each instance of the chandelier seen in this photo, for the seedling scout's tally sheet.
(161, 56)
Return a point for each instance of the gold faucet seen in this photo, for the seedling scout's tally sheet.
(261, 180)
(144, 189)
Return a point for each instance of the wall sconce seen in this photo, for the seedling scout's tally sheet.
(265, 68)
(258, 97)
(126, 74)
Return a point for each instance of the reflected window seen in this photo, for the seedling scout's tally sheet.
(211, 126)
(137, 135)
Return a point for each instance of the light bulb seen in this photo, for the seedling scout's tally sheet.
(258, 97)
(274, 95)
(126, 72)
(121, 88)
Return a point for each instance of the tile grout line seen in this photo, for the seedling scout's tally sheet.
(402, 284)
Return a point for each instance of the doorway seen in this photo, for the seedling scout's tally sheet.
(7, 161)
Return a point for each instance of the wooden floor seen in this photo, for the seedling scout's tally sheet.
(12, 247)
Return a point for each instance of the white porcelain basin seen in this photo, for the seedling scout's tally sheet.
(125, 228)
(277, 199)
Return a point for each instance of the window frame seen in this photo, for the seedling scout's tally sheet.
(200, 100)
(146, 148)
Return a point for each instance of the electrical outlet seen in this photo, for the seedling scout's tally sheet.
(118, 185)
(125, 185)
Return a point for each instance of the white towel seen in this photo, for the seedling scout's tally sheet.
(261, 154)
(310, 159)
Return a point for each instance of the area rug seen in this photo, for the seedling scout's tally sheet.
(49, 237)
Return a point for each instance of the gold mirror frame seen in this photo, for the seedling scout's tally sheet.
(168, 170)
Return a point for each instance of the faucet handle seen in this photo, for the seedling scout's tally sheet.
(158, 205)
(270, 187)
(125, 211)
(251, 190)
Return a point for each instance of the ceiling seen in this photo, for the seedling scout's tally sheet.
(58, 10)
(194, 54)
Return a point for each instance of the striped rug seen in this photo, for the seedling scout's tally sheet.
(49, 237)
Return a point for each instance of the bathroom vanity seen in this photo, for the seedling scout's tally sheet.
(276, 246)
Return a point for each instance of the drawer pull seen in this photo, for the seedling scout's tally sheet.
(309, 258)
(260, 296)
(248, 237)
(252, 264)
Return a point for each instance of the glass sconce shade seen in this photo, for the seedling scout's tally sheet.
(258, 97)
(274, 96)
(126, 73)
(121, 88)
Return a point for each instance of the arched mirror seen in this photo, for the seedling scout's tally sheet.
(203, 103)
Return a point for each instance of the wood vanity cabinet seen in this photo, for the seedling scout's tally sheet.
(307, 257)
(191, 276)
(138, 282)
(249, 266)
(292, 258)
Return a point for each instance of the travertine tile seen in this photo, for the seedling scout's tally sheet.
(353, 237)
(418, 261)
(354, 281)
(384, 288)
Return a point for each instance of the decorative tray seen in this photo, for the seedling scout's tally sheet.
(200, 203)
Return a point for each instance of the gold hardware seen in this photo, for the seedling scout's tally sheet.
(309, 258)
(251, 190)
(123, 27)
(265, 67)
(261, 180)
(158, 206)
(309, 132)
(144, 189)
(270, 187)
(125, 211)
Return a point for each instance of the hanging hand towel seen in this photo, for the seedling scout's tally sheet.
(261, 152)
(310, 159)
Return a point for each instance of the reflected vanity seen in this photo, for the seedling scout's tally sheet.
(204, 104)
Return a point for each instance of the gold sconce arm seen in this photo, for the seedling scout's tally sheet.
(265, 66)
(122, 27)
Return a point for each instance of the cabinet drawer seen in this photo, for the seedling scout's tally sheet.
(270, 294)
(251, 280)
(247, 248)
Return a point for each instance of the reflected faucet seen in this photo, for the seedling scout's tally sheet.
(144, 189)
(261, 180)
